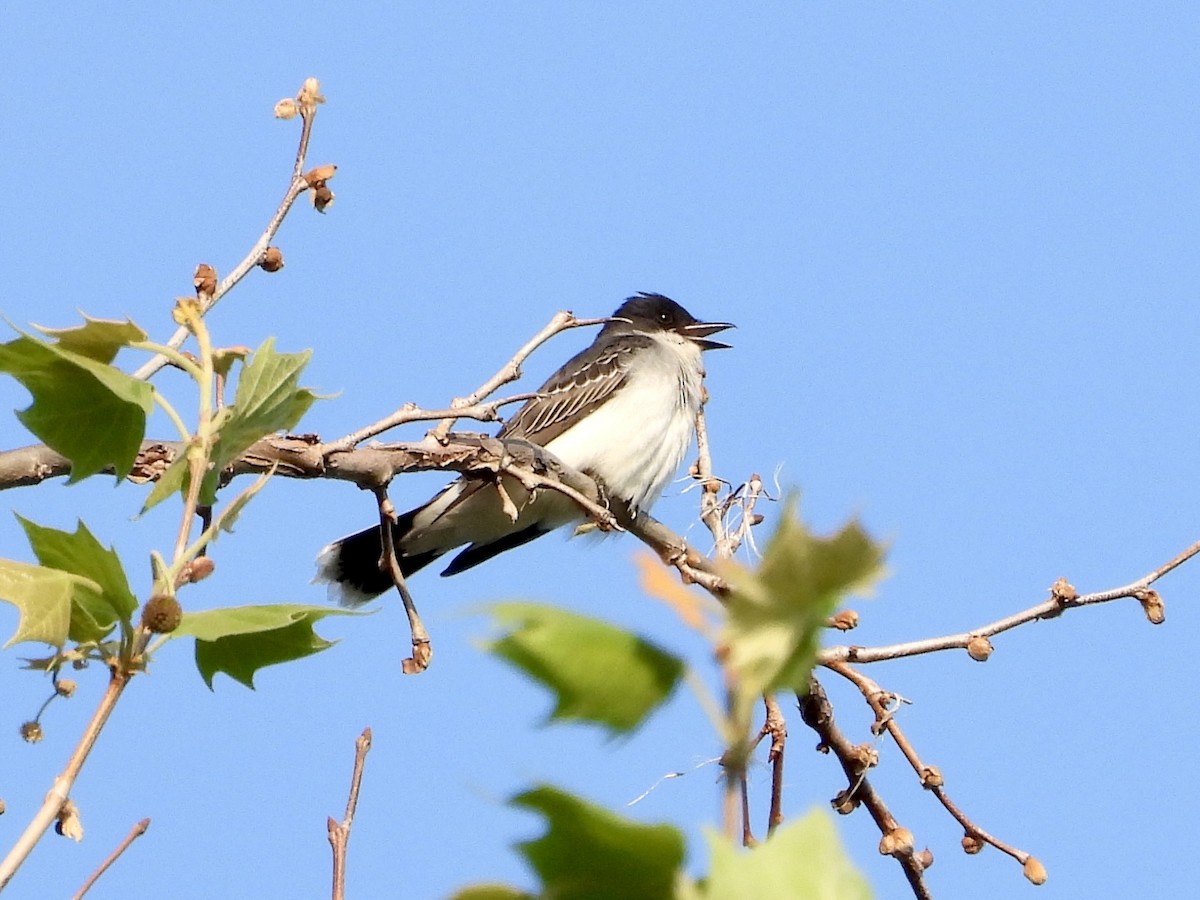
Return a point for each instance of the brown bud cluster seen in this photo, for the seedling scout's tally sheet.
(931, 777)
(979, 648)
(971, 844)
(844, 619)
(1063, 591)
(198, 569)
(162, 614)
(64, 687)
(845, 802)
(272, 260)
(286, 108)
(897, 842)
(31, 732)
(1034, 871)
(205, 280)
(925, 858)
(1152, 606)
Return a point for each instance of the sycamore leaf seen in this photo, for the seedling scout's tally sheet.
(90, 412)
(80, 553)
(491, 892)
(589, 853)
(97, 339)
(776, 613)
(267, 400)
(598, 672)
(803, 860)
(44, 599)
(240, 640)
(171, 481)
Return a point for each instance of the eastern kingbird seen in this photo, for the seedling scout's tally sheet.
(623, 411)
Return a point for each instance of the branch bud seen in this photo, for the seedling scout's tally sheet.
(979, 648)
(897, 842)
(1034, 870)
(925, 858)
(971, 844)
(321, 174)
(286, 109)
(712, 486)
(31, 732)
(198, 569)
(272, 260)
(1152, 606)
(931, 777)
(69, 824)
(322, 198)
(844, 619)
(64, 687)
(1063, 592)
(845, 802)
(865, 756)
(205, 280)
(310, 93)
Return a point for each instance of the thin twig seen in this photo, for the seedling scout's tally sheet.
(60, 791)
(134, 833)
(776, 727)
(1062, 598)
(531, 481)
(339, 833)
(410, 412)
(511, 370)
(295, 188)
(422, 648)
(931, 777)
(817, 713)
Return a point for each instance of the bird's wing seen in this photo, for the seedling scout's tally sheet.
(574, 391)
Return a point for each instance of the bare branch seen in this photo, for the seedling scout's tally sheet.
(410, 412)
(1062, 598)
(339, 833)
(511, 370)
(931, 778)
(60, 792)
(422, 648)
(296, 187)
(134, 833)
(817, 713)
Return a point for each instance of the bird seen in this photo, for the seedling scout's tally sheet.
(622, 411)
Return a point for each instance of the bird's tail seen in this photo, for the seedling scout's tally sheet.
(353, 568)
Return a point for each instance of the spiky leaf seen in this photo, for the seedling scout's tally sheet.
(90, 412)
(240, 640)
(45, 599)
(803, 860)
(589, 853)
(777, 612)
(598, 672)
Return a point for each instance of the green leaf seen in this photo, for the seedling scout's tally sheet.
(90, 412)
(97, 339)
(589, 853)
(267, 400)
(803, 860)
(240, 640)
(491, 892)
(44, 599)
(776, 613)
(81, 554)
(172, 480)
(598, 672)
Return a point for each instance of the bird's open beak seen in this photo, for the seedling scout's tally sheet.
(698, 334)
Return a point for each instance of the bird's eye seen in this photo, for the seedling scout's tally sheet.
(664, 317)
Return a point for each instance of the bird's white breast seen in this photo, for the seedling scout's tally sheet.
(636, 440)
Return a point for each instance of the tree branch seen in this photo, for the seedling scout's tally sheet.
(60, 791)
(134, 833)
(339, 833)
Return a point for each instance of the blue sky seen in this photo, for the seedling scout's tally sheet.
(959, 245)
